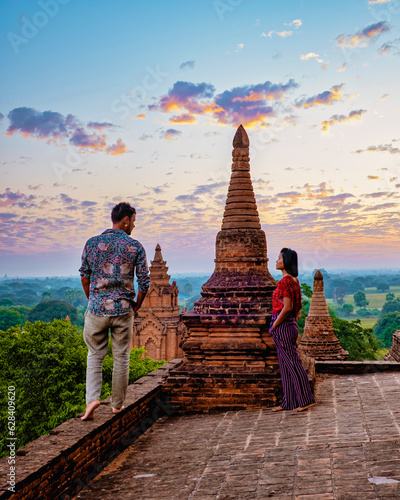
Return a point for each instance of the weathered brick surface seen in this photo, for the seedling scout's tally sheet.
(394, 352)
(58, 465)
(347, 447)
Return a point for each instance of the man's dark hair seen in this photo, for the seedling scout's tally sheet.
(290, 261)
(120, 211)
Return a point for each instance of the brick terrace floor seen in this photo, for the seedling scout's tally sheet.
(347, 447)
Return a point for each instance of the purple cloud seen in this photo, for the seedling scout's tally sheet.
(187, 65)
(53, 126)
(29, 122)
(362, 37)
(170, 134)
(324, 98)
(247, 104)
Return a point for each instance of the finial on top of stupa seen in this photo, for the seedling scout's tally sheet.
(241, 139)
(158, 254)
(318, 275)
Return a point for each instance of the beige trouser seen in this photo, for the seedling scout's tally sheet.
(95, 335)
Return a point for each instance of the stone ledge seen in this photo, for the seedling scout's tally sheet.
(355, 367)
(58, 465)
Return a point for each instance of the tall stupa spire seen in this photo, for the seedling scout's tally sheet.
(241, 209)
(230, 359)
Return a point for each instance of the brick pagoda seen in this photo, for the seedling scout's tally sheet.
(230, 359)
(319, 340)
(158, 327)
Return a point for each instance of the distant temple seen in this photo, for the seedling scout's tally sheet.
(158, 327)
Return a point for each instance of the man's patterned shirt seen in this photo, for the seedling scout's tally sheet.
(109, 261)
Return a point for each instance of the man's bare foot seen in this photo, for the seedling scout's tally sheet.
(302, 408)
(277, 408)
(117, 410)
(90, 410)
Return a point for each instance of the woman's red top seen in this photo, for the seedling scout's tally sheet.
(287, 287)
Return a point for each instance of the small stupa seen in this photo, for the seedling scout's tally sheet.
(230, 358)
(319, 340)
(157, 326)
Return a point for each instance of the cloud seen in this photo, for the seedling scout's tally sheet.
(184, 118)
(67, 200)
(88, 203)
(342, 68)
(282, 34)
(392, 47)
(1, 117)
(373, 177)
(47, 125)
(186, 95)
(82, 139)
(310, 55)
(142, 115)
(54, 127)
(170, 134)
(353, 115)
(239, 47)
(296, 23)
(362, 37)
(119, 148)
(15, 198)
(373, 2)
(325, 98)
(187, 65)
(381, 148)
(383, 206)
(187, 197)
(5, 217)
(145, 137)
(246, 104)
(209, 188)
(100, 125)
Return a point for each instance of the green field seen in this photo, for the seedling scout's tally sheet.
(368, 322)
(376, 299)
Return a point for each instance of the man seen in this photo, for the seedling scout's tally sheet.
(107, 273)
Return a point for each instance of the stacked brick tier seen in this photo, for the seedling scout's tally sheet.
(319, 340)
(229, 357)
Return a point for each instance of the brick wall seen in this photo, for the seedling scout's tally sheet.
(59, 465)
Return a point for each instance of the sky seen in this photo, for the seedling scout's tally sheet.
(102, 102)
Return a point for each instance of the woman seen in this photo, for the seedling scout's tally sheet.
(286, 306)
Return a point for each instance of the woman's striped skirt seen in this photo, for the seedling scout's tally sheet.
(296, 387)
